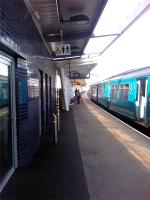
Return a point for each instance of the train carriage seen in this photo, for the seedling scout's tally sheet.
(127, 94)
(123, 97)
(104, 93)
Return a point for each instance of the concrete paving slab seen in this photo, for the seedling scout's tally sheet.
(114, 167)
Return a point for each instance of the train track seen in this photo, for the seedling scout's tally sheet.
(139, 126)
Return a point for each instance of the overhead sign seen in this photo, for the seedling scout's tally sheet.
(77, 75)
(63, 50)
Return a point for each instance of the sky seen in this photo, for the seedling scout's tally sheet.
(131, 50)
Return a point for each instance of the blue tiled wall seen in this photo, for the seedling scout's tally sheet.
(18, 33)
(23, 129)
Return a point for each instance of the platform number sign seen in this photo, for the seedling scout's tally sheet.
(63, 50)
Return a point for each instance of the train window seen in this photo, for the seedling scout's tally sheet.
(143, 87)
(124, 86)
(100, 90)
(114, 91)
(113, 87)
(121, 86)
(124, 91)
(127, 86)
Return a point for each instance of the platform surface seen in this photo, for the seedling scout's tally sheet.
(116, 159)
(96, 158)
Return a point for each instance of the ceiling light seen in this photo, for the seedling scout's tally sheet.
(77, 19)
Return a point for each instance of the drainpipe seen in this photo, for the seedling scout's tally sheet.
(64, 87)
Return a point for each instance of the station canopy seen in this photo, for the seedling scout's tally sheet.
(77, 32)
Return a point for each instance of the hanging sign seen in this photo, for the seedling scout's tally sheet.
(63, 50)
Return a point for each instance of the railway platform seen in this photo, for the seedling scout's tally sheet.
(97, 157)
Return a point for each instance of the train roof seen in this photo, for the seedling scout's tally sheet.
(132, 73)
(128, 74)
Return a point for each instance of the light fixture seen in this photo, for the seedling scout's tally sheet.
(77, 19)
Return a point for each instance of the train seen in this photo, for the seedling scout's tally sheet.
(127, 94)
(3, 91)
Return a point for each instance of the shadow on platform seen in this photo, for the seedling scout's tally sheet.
(56, 172)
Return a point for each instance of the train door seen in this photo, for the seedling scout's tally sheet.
(8, 153)
(46, 98)
(141, 98)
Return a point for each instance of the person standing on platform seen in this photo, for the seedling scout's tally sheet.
(75, 97)
(78, 96)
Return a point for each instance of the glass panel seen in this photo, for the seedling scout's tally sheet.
(97, 45)
(5, 122)
(117, 15)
